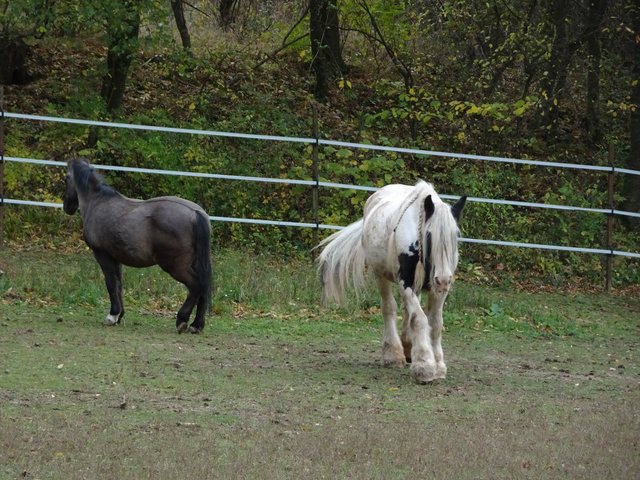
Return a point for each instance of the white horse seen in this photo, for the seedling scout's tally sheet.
(408, 235)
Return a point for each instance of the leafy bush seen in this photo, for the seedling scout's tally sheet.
(221, 90)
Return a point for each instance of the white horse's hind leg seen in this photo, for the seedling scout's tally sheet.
(436, 303)
(418, 331)
(392, 352)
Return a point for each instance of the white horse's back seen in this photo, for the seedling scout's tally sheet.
(391, 222)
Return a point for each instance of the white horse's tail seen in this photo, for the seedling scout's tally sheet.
(341, 263)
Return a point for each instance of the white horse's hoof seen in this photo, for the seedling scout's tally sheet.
(441, 370)
(424, 372)
(110, 320)
(394, 362)
(393, 357)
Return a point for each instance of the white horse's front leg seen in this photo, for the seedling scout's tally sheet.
(418, 331)
(392, 352)
(436, 303)
(111, 320)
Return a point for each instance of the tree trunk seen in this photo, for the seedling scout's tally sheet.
(557, 70)
(227, 15)
(631, 190)
(332, 35)
(123, 32)
(326, 52)
(13, 56)
(595, 16)
(181, 23)
(123, 26)
(318, 62)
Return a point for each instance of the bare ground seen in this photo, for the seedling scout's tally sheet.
(263, 397)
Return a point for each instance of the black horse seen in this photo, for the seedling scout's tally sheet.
(167, 231)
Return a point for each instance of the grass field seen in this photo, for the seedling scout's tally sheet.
(539, 385)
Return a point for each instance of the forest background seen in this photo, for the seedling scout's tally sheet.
(543, 79)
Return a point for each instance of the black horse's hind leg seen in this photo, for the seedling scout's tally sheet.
(185, 311)
(198, 322)
(193, 269)
(183, 275)
(112, 271)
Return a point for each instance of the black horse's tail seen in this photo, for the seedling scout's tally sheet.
(201, 264)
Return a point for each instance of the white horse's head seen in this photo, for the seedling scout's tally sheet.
(441, 241)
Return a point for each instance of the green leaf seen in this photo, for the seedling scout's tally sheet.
(344, 153)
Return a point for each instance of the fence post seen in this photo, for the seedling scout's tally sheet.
(1, 166)
(610, 221)
(314, 171)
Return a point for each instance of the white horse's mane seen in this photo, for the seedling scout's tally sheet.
(442, 228)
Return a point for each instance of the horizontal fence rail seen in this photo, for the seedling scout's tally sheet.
(287, 181)
(320, 141)
(317, 141)
(281, 223)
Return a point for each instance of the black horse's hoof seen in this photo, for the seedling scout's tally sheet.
(182, 327)
(193, 329)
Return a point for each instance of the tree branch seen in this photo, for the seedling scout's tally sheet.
(278, 50)
(304, 14)
(197, 9)
(401, 66)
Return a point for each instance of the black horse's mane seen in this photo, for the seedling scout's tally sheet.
(87, 179)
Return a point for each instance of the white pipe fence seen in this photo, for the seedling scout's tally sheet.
(313, 183)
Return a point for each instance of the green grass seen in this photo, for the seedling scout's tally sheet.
(539, 385)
